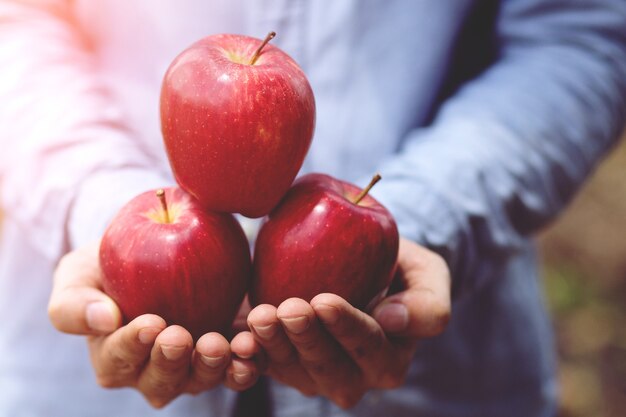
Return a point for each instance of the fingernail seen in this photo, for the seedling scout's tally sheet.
(296, 325)
(265, 332)
(392, 317)
(173, 353)
(147, 335)
(100, 317)
(242, 378)
(328, 314)
(212, 361)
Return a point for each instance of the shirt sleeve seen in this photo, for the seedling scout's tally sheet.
(509, 149)
(67, 159)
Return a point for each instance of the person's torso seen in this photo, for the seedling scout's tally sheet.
(378, 69)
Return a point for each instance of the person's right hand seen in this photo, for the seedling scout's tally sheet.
(158, 360)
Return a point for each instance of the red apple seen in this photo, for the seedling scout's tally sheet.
(326, 235)
(237, 117)
(164, 254)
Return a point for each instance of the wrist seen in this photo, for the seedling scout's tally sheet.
(101, 195)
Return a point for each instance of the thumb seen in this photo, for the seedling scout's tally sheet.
(423, 309)
(410, 314)
(77, 305)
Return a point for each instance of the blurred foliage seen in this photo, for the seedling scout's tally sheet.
(585, 280)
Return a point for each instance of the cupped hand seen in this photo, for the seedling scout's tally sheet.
(158, 360)
(327, 347)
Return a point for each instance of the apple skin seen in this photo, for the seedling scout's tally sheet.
(236, 134)
(317, 240)
(193, 272)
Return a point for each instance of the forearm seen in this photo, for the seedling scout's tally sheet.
(509, 150)
(63, 134)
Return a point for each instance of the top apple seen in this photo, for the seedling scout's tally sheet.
(237, 122)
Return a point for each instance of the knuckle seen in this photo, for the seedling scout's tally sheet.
(115, 375)
(196, 387)
(316, 367)
(391, 379)
(322, 367)
(165, 388)
(207, 379)
(108, 381)
(347, 399)
(280, 373)
(307, 344)
(344, 327)
(286, 361)
(372, 341)
(160, 393)
(157, 402)
(122, 367)
(118, 375)
(359, 352)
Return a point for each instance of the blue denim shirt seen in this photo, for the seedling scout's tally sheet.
(483, 117)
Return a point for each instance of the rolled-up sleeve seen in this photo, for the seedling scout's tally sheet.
(511, 147)
(67, 159)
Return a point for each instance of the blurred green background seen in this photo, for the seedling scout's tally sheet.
(584, 273)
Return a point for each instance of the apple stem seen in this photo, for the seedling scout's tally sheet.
(367, 189)
(161, 194)
(268, 38)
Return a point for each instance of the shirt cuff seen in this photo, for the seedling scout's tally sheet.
(102, 195)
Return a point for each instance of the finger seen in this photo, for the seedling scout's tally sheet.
(77, 305)
(119, 357)
(423, 309)
(241, 374)
(244, 345)
(210, 360)
(323, 358)
(282, 358)
(381, 364)
(167, 371)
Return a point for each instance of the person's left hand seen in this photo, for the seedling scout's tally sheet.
(327, 347)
